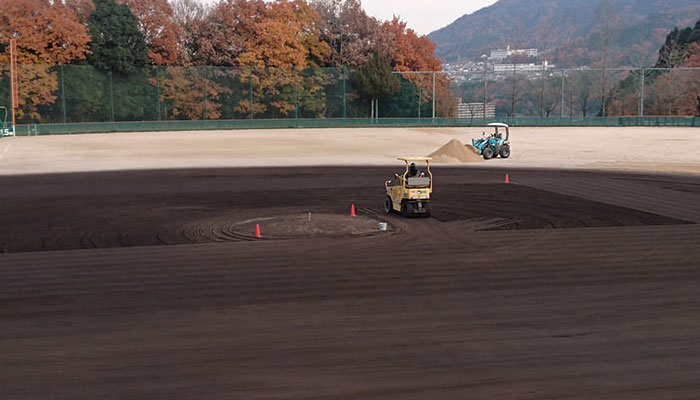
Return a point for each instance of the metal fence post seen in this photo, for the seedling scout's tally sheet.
(63, 95)
(345, 100)
(420, 97)
(111, 94)
(562, 93)
(641, 96)
(433, 95)
(251, 94)
(205, 99)
(485, 90)
(296, 97)
(158, 93)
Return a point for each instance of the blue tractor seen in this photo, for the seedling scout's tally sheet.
(495, 144)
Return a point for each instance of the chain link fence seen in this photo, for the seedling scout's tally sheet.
(81, 93)
(73, 94)
(581, 93)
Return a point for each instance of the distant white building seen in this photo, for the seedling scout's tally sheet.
(502, 54)
(475, 110)
(521, 68)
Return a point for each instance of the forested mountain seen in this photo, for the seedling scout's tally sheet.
(567, 30)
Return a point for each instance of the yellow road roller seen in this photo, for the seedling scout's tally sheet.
(409, 193)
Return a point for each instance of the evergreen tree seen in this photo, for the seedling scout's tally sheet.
(376, 80)
(117, 44)
(407, 102)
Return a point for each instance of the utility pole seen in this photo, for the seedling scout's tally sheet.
(14, 98)
(433, 95)
(641, 97)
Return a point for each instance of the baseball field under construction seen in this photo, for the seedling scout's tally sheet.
(130, 267)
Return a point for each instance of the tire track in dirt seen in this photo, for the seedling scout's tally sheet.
(438, 310)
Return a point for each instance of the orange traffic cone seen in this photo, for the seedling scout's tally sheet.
(257, 231)
(352, 211)
(507, 180)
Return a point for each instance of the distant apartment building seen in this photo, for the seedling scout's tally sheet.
(502, 54)
(475, 110)
(521, 68)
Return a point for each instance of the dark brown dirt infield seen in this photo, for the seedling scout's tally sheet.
(63, 220)
(560, 285)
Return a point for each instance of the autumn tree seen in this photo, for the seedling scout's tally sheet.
(270, 43)
(117, 44)
(572, 53)
(208, 37)
(81, 8)
(550, 95)
(156, 21)
(581, 87)
(189, 16)
(606, 33)
(282, 43)
(545, 35)
(666, 90)
(515, 84)
(286, 37)
(351, 34)
(676, 93)
(409, 52)
(222, 35)
(692, 56)
(191, 93)
(47, 34)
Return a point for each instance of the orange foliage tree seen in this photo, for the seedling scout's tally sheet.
(351, 34)
(209, 38)
(222, 35)
(159, 28)
(284, 42)
(675, 93)
(692, 56)
(81, 8)
(189, 16)
(191, 93)
(271, 43)
(409, 52)
(47, 33)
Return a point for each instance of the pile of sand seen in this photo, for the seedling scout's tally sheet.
(455, 152)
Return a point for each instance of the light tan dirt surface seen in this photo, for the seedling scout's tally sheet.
(671, 149)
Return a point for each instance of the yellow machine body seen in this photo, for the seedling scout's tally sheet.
(410, 195)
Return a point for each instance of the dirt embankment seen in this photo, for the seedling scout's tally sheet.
(455, 152)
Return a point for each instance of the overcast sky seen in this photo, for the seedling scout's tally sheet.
(423, 16)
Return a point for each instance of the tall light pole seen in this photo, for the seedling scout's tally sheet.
(483, 57)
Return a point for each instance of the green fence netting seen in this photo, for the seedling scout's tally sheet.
(106, 127)
(82, 99)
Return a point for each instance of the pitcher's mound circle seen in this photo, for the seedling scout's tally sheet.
(299, 226)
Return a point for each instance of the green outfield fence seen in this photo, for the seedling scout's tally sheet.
(85, 128)
(74, 99)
